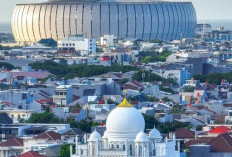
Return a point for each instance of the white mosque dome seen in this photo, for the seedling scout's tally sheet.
(155, 134)
(141, 137)
(95, 136)
(124, 122)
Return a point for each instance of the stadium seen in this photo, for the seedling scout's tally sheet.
(139, 19)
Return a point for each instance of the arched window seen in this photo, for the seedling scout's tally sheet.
(93, 150)
(140, 151)
(130, 149)
(117, 146)
(124, 147)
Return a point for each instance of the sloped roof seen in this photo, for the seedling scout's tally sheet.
(76, 110)
(222, 143)
(50, 135)
(31, 154)
(220, 130)
(73, 131)
(5, 119)
(12, 142)
(183, 133)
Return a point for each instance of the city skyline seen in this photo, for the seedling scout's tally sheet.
(216, 10)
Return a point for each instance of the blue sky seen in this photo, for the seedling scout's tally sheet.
(206, 9)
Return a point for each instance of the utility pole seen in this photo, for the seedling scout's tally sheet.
(11, 91)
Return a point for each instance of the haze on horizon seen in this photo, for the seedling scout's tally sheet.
(206, 9)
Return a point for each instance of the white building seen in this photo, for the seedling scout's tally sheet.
(63, 95)
(18, 114)
(124, 137)
(75, 44)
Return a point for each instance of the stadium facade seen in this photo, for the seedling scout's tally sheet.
(141, 19)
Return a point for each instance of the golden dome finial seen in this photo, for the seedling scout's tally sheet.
(125, 103)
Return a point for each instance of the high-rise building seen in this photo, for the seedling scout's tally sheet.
(141, 19)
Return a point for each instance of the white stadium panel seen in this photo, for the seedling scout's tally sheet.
(122, 21)
(87, 16)
(184, 16)
(139, 21)
(187, 20)
(24, 23)
(161, 21)
(96, 28)
(36, 24)
(60, 22)
(171, 22)
(67, 9)
(147, 22)
(114, 19)
(105, 20)
(175, 21)
(79, 19)
(20, 18)
(155, 22)
(47, 22)
(73, 19)
(54, 22)
(131, 21)
(42, 21)
(181, 24)
(15, 23)
(166, 22)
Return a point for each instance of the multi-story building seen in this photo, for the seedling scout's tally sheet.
(63, 95)
(77, 44)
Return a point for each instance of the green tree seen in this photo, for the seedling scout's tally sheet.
(123, 81)
(166, 99)
(6, 65)
(149, 77)
(65, 150)
(45, 117)
(81, 70)
(176, 109)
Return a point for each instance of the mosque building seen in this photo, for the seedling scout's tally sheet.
(125, 137)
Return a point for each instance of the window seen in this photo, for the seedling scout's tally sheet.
(124, 148)
(112, 146)
(117, 146)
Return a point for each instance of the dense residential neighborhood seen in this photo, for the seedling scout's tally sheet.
(160, 85)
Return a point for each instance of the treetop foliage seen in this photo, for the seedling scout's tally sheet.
(80, 70)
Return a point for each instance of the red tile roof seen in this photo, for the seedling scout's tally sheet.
(184, 133)
(220, 130)
(31, 154)
(76, 110)
(50, 135)
(12, 142)
(222, 143)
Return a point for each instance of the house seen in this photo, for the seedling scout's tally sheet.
(216, 147)
(69, 136)
(31, 154)
(41, 141)
(17, 114)
(184, 134)
(77, 114)
(63, 95)
(13, 146)
(219, 130)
